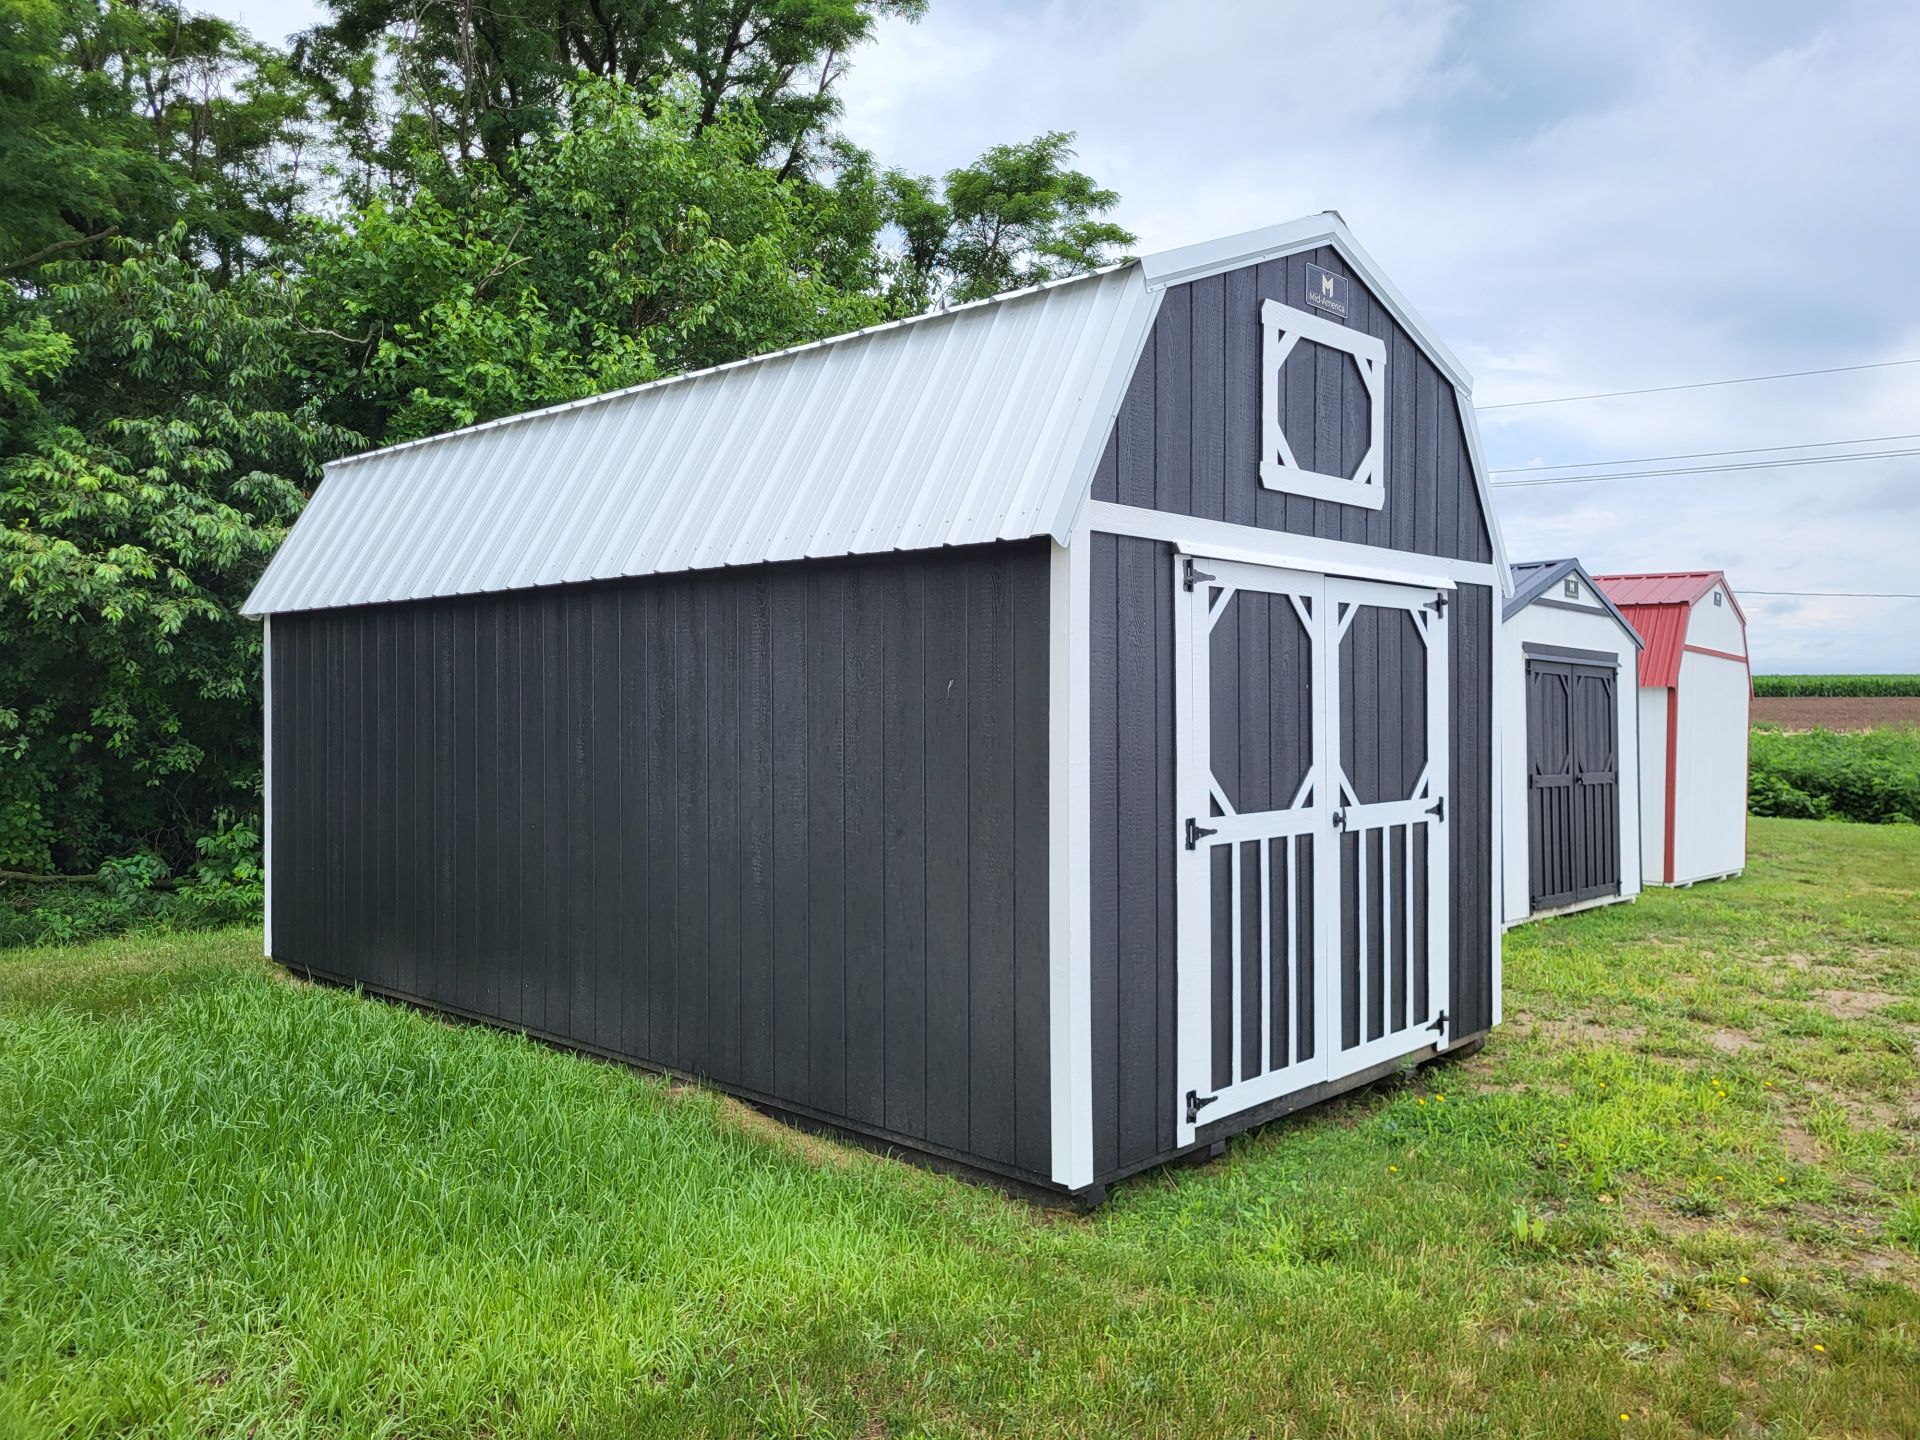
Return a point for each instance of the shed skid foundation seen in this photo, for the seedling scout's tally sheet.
(1598, 902)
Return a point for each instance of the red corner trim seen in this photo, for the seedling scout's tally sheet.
(1673, 766)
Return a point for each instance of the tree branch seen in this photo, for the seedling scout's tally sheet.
(54, 249)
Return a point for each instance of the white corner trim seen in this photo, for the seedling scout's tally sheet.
(1069, 882)
(1225, 541)
(1282, 328)
(1498, 660)
(1470, 428)
(266, 785)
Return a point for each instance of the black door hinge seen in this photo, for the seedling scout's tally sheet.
(1196, 832)
(1439, 807)
(1194, 575)
(1440, 603)
(1195, 1103)
(1440, 1024)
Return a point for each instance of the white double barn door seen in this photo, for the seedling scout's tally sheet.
(1311, 771)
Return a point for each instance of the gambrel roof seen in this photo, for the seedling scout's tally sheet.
(977, 423)
(1659, 606)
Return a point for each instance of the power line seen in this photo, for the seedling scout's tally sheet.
(1701, 454)
(1699, 384)
(1787, 464)
(1839, 594)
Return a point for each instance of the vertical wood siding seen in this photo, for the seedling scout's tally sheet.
(1187, 439)
(782, 828)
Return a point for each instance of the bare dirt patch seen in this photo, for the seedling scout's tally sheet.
(1836, 712)
(1731, 1042)
(1854, 1004)
(1584, 1030)
(815, 1149)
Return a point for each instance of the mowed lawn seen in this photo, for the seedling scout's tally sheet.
(1677, 1194)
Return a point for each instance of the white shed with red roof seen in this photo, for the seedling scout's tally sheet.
(1696, 692)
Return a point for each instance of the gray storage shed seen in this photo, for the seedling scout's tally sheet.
(1052, 734)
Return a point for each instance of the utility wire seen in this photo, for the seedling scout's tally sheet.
(1700, 454)
(1786, 464)
(1839, 594)
(1699, 384)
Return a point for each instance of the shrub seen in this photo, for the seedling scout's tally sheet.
(1871, 776)
(135, 892)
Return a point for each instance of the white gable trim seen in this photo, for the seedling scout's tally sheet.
(1216, 257)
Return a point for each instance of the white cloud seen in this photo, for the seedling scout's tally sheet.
(1579, 198)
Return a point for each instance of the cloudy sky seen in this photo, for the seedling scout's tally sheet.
(1578, 197)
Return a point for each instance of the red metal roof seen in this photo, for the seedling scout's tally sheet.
(1659, 606)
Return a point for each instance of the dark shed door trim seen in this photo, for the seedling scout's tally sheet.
(1573, 782)
(1571, 655)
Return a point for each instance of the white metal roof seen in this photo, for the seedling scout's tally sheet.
(983, 422)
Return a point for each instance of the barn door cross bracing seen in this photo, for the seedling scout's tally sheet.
(1311, 770)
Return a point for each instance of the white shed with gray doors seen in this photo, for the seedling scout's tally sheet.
(1571, 837)
(1051, 734)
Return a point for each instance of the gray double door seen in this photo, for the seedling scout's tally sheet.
(1573, 782)
(1311, 770)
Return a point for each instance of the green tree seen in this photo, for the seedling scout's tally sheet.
(1016, 216)
(636, 241)
(221, 264)
(123, 118)
(486, 81)
(153, 451)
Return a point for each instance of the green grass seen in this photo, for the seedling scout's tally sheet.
(1848, 685)
(1870, 776)
(232, 1204)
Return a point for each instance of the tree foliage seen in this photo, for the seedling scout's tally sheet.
(1016, 216)
(488, 81)
(221, 264)
(156, 450)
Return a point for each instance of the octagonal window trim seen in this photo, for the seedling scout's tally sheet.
(1284, 327)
